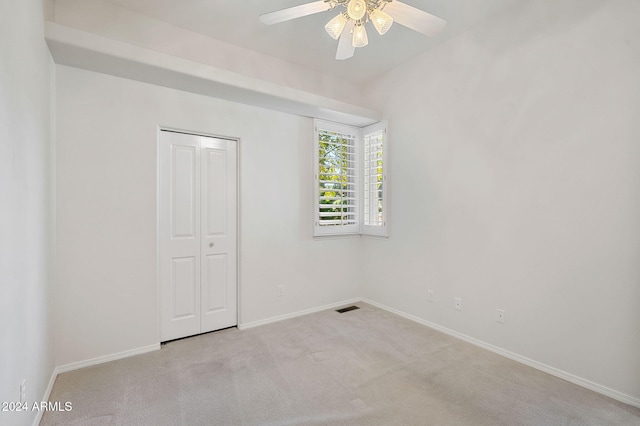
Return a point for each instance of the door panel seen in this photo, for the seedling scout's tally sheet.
(183, 191)
(197, 223)
(215, 185)
(179, 235)
(219, 293)
(183, 286)
(215, 295)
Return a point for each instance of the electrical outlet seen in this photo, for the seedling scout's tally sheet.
(281, 289)
(457, 303)
(500, 316)
(23, 391)
(430, 296)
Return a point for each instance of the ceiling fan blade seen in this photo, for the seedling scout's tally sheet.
(416, 19)
(295, 12)
(345, 46)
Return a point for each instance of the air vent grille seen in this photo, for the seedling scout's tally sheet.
(347, 309)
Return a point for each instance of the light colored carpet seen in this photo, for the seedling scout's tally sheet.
(364, 367)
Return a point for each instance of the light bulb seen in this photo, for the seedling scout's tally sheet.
(381, 21)
(359, 36)
(336, 25)
(356, 9)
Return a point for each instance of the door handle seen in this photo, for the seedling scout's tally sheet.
(210, 245)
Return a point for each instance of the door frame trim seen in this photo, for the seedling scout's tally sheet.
(159, 131)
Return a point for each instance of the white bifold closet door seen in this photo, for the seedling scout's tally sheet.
(197, 234)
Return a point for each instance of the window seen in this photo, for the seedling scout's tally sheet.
(349, 179)
(337, 179)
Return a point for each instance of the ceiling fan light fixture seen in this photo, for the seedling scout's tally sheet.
(349, 26)
(335, 26)
(360, 38)
(381, 21)
(356, 9)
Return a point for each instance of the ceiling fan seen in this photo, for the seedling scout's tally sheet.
(349, 25)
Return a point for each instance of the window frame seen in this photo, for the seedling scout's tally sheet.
(358, 134)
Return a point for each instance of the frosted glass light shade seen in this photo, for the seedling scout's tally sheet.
(360, 36)
(336, 25)
(381, 21)
(356, 9)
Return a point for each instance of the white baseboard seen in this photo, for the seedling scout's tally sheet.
(298, 314)
(45, 396)
(102, 359)
(611, 393)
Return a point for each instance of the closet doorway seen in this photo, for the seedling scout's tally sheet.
(197, 227)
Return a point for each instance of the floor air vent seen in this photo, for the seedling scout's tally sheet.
(347, 309)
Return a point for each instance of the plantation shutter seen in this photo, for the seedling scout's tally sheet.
(336, 179)
(374, 164)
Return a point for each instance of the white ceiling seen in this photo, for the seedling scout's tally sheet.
(304, 40)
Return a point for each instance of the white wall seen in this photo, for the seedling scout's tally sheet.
(26, 222)
(515, 160)
(106, 196)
